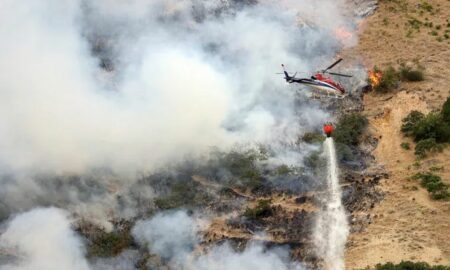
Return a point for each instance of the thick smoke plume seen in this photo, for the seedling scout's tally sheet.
(174, 236)
(42, 239)
(185, 76)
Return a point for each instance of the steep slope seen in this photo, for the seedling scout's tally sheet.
(407, 224)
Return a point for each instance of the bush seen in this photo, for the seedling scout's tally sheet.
(428, 131)
(262, 209)
(313, 137)
(183, 193)
(433, 183)
(432, 126)
(410, 121)
(283, 170)
(405, 145)
(409, 74)
(408, 265)
(389, 80)
(349, 129)
(425, 146)
(109, 244)
(445, 112)
(314, 160)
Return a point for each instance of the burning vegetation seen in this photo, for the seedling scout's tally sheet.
(389, 78)
(375, 77)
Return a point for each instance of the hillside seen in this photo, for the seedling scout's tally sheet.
(407, 224)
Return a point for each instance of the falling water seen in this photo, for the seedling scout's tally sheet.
(331, 229)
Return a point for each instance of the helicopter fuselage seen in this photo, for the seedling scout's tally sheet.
(320, 83)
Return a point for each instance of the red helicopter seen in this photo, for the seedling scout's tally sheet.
(320, 82)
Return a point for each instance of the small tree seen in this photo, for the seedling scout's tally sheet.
(349, 128)
(425, 146)
(410, 121)
(432, 126)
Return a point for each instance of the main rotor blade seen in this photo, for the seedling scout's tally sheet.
(339, 74)
(335, 63)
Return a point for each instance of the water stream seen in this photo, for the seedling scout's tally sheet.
(331, 230)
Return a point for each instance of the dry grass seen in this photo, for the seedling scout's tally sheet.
(408, 224)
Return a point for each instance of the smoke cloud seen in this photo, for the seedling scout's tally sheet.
(42, 239)
(171, 235)
(174, 236)
(185, 76)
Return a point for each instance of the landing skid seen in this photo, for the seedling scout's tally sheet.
(319, 96)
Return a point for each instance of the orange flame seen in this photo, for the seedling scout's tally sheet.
(342, 33)
(375, 77)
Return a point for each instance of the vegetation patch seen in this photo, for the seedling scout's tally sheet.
(423, 147)
(390, 79)
(405, 146)
(262, 209)
(349, 129)
(109, 244)
(410, 121)
(410, 74)
(313, 137)
(433, 183)
(283, 170)
(408, 265)
(431, 131)
(183, 193)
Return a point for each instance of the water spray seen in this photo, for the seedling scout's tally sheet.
(331, 231)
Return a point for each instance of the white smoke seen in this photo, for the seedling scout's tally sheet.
(42, 239)
(174, 236)
(182, 84)
(171, 235)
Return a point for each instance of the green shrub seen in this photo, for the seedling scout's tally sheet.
(262, 209)
(313, 137)
(426, 6)
(405, 145)
(109, 244)
(441, 195)
(410, 121)
(430, 131)
(445, 112)
(283, 170)
(423, 147)
(389, 80)
(344, 152)
(244, 165)
(433, 183)
(408, 265)
(432, 126)
(349, 128)
(412, 75)
(314, 160)
(183, 193)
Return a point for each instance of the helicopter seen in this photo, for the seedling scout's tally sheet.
(320, 82)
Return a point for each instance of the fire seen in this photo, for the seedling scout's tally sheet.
(345, 36)
(343, 33)
(375, 77)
